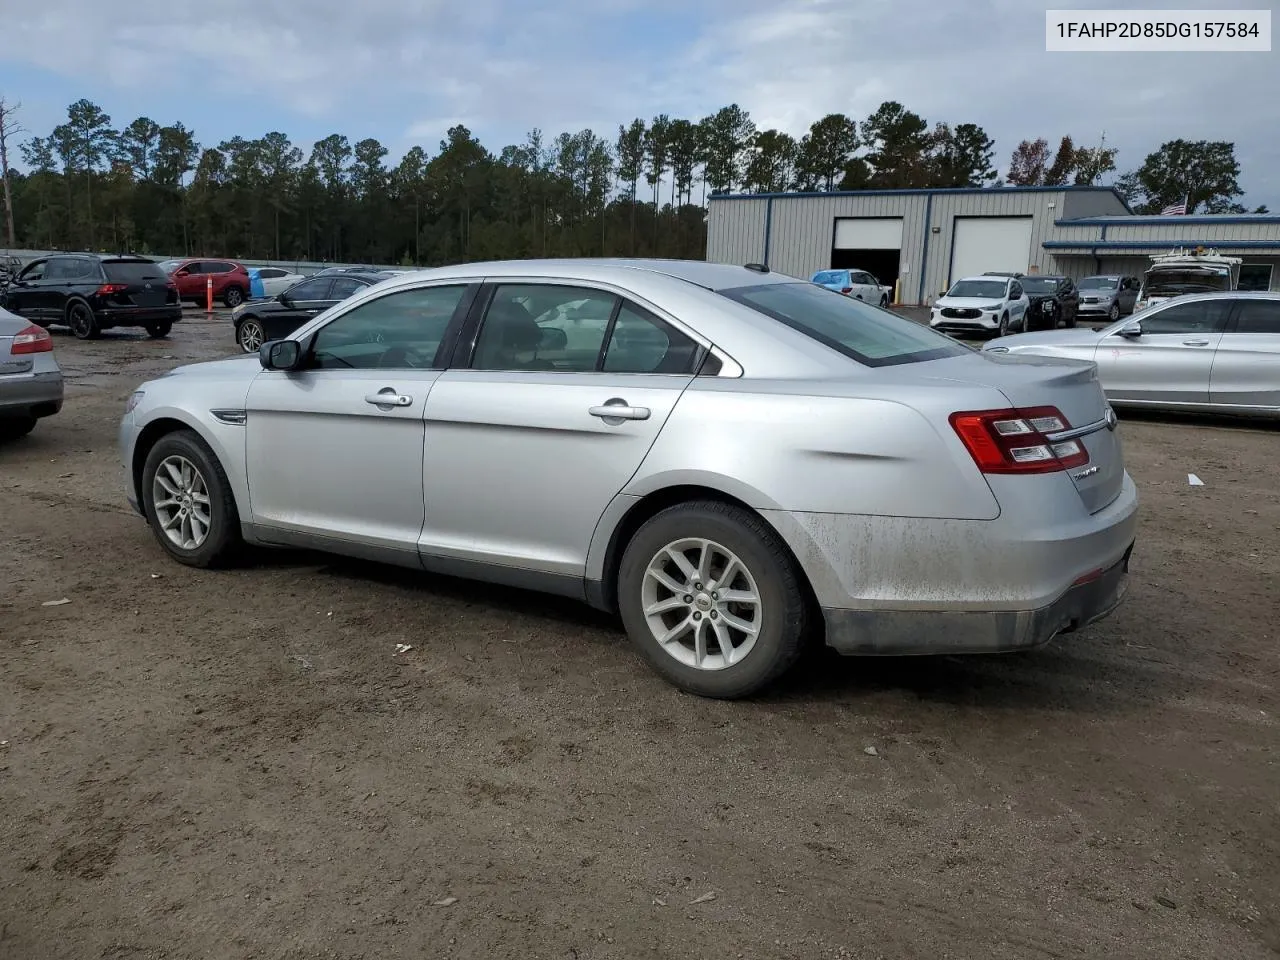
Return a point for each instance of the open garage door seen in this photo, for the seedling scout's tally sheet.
(981, 244)
(873, 244)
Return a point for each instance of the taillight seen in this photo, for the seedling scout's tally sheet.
(847, 290)
(32, 339)
(107, 289)
(1018, 441)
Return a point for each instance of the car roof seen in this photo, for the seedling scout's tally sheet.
(986, 276)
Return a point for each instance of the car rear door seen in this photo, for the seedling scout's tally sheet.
(1246, 365)
(523, 449)
(1171, 361)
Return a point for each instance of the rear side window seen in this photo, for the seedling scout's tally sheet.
(218, 266)
(1259, 316)
(344, 287)
(126, 271)
(867, 334)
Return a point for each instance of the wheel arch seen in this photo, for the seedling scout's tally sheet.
(611, 538)
(171, 421)
(72, 301)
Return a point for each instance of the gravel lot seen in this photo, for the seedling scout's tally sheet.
(238, 764)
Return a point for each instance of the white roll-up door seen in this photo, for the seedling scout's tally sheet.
(869, 233)
(982, 244)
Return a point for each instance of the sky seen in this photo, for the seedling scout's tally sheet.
(404, 71)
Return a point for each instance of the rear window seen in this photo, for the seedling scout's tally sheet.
(867, 334)
(131, 271)
(829, 277)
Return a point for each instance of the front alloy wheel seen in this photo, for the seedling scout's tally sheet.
(1114, 313)
(188, 501)
(250, 336)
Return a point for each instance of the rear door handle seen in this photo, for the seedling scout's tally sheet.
(1196, 343)
(387, 397)
(619, 411)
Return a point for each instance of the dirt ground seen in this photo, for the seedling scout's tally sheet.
(239, 764)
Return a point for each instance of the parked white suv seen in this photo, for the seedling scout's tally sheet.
(981, 305)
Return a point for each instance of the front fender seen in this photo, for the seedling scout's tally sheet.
(227, 441)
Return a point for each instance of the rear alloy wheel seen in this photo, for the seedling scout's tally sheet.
(188, 503)
(83, 324)
(158, 330)
(11, 428)
(250, 336)
(712, 599)
(233, 297)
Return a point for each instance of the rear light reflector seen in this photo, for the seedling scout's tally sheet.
(32, 339)
(847, 290)
(1017, 441)
(107, 289)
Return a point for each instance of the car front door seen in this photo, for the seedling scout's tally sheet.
(1018, 304)
(1246, 365)
(524, 449)
(295, 307)
(190, 280)
(23, 295)
(334, 450)
(1171, 360)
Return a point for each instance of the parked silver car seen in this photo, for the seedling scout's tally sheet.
(30, 378)
(1111, 296)
(732, 459)
(1216, 352)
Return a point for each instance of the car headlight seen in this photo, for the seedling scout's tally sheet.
(1046, 305)
(992, 307)
(134, 399)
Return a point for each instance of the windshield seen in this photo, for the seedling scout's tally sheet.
(872, 336)
(1099, 283)
(1039, 284)
(1170, 283)
(829, 278)
(987, 289)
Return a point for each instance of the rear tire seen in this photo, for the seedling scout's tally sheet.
(884, 303)
(192, 484)
(157, 331)
(83, 324)
(777, 619)
(13, 428)
(233, 297)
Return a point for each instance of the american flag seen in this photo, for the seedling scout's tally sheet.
(1175, 210)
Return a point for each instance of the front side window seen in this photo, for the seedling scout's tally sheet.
(1207, 316)
(34, 271)
(864, 333)
(399, 331)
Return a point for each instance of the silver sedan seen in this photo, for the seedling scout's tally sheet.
(733, 460)
(30, 378)
(1213, 352)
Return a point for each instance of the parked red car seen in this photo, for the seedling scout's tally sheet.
(230, 279)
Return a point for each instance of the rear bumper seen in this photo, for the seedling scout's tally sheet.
(899, 633)
(138, 316)
(31, 394)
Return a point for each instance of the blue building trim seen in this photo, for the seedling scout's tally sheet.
(1091, 245)
(768, 229)
(1149, 220)
(924, 254)
(919, 192)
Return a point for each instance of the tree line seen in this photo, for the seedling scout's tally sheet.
(152, 188)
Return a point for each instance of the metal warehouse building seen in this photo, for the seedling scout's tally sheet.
(925, 239)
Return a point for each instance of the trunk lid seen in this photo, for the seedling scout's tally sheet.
(1070, 385)
(145, 284)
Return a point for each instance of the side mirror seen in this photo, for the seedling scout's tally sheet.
(280, 355)
(1132, 329)
(284, 299)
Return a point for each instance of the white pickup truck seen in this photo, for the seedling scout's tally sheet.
(1181, 271)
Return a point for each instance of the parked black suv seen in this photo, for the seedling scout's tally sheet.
(1055, 301)
(90, 293)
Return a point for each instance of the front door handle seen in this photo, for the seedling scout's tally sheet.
(387, 397)
(1196, 343)
(618, 410)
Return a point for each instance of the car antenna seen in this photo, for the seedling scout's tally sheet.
(757, 267)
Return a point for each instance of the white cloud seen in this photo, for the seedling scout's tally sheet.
(405, 72)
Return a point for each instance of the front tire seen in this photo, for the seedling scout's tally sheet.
(188, 502)
(233, 297)
(250, 336)
(1003, 330)
(713, 600)
(83, 324)
(1114, 313)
